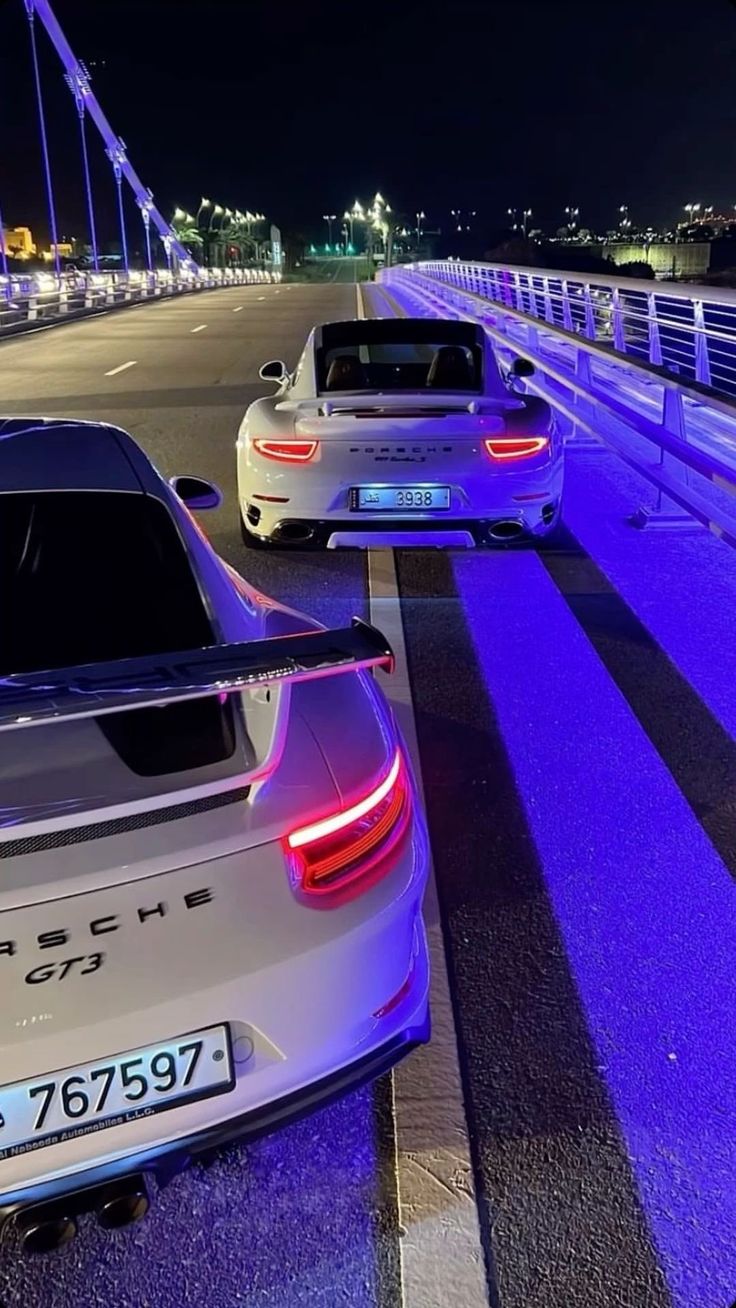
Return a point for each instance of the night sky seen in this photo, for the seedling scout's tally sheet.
(296, 109)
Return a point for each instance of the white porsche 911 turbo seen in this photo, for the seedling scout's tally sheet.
(397, 431)
(211, 895)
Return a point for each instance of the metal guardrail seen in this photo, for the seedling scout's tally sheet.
(688, 330)
(679, 434)
(42, 297)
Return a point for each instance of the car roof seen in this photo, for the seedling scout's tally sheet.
(44, 454)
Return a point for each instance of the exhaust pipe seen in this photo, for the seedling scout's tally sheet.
(42, 1231)
(122, 1203)
(507, 530)
(293, 531)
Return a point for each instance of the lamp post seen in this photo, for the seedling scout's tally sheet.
(571, 214)
(203, 204)
(329, 218)
(625, 223)
(420, 219)
(217, 211)
(525, 216)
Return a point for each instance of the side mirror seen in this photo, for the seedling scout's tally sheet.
(275, 370)
(522, 368)
(196, 492)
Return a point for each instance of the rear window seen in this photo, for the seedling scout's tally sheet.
(89, 576)
(406, 355)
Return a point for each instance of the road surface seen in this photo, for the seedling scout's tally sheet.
(576, 738)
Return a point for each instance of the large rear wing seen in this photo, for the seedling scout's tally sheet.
(90, 690)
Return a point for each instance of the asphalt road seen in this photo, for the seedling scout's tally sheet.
(579, 769)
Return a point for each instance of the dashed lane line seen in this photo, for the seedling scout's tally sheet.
(439, 1231)
(121, 367)
(440, 1247)
(201, 328)
(239, 309)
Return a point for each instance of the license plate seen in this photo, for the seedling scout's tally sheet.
(110, 1091)
(395, 499)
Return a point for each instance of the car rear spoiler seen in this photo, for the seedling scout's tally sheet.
(92, 689)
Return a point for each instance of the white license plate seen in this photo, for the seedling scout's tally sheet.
(395, 499)
(50, 1109)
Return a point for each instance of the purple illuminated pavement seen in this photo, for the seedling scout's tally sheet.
(575, 718)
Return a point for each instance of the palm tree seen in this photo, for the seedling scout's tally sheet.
(187, 231)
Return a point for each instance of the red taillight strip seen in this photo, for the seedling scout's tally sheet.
(515, 447)
(329, 825)
(286, 451)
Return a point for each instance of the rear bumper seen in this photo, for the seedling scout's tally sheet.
(81, 1190)
(362, 531)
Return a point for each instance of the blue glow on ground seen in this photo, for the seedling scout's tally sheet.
(645, 906)
(681, 586)
(288, 1221)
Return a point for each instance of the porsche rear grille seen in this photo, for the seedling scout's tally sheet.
(119, 826)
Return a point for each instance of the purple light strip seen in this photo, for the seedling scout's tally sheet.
(691, 611)
(645, 907)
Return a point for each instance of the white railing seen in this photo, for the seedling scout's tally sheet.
(679, 434)
(42, 297)
(688, 330)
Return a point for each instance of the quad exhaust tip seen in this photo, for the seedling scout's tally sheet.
(42, 1235)
(123, 1205)
(47, 1227)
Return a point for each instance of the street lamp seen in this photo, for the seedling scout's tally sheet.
(356, 214)
(625, 222)
(420, 219)
(525, 215)
(203, 204)
(572, 216)
(329, 218)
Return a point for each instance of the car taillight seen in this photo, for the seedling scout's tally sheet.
(515, 447)
(287, 451)
(341, 850)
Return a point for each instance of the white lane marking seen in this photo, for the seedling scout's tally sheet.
(260, 297)
(239, 309)
(121, 367)
(439, 1234)
(201, 328)
(440, 1243)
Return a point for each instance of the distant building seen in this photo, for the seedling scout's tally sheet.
(670, 260)
(18, 242)
(65, 249)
